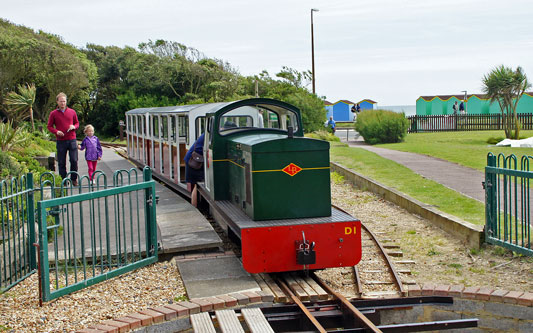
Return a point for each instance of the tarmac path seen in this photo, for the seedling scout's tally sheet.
(459, 178)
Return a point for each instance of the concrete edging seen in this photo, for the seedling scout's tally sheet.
(472, 235)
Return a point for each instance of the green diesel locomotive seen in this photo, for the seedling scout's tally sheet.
(265, 182)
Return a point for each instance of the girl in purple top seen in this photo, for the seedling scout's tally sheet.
(93, 150)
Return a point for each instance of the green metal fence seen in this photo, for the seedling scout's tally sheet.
(508, 202)
(91, 233)
(17, 256)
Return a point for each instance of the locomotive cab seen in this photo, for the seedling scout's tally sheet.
(262, 163)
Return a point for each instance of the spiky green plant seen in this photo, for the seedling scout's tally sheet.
(11, 137)
(506, 86)
(20, 105)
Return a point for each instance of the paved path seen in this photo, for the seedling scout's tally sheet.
(459, 178)
(180, 226)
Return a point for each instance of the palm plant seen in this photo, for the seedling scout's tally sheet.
(11, 137)
(506, 86)
(18, 104)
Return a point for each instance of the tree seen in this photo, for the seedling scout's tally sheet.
(19, 104)
(506, 87)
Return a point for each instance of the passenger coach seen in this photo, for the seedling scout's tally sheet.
(265, 183)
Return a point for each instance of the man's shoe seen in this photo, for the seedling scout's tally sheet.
(75, 183)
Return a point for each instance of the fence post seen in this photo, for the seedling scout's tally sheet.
(30, 211)
(43, 252)
(490, 198)
(150, 214)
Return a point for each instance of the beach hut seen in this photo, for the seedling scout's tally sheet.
(474, 104)
(329, 109)
(367, 104)
(341, 110)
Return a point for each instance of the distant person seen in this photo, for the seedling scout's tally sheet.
(194, 176)
(358, 108)
(455, 108)
(93, 150)
(462, 108)
(63, 122)
(353, 109)
(331, 124)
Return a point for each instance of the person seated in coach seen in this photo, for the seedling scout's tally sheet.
(192, 175)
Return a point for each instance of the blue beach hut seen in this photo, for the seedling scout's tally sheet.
(329, 109)
(367, 104)
(341, 110)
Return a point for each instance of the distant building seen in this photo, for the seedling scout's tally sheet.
(474, 104)
(341, 110)
(367, 104)
(329, 109)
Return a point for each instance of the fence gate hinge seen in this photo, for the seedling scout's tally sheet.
(56, 212)
(151, 201)
(486, 184)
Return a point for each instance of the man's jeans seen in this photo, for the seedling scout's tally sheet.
(72, 147)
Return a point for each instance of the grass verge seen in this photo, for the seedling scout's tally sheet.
(465, 148)
(406, 181)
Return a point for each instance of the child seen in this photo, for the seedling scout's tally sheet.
(93, 150)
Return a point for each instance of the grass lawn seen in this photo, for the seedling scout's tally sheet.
(111, 139)
(404, 180)
(466, 148)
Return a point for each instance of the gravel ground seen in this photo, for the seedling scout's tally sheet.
(439, 259)
(151, 286)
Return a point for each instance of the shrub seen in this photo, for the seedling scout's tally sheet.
(494, 140)
(323, 135)
(382, 126)
(9, 167)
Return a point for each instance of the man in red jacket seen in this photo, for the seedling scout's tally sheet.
(63, 122)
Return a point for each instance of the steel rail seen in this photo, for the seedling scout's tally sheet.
(397, 279)
(302, 307)
(362, 318)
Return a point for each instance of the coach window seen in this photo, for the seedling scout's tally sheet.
(183, 127)
(173, 136)
(155, 126)
(164, 127)
(200, 126)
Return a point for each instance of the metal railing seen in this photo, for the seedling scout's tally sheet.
(17, 257)
(464, 122)
(91, 233)
(508, 202)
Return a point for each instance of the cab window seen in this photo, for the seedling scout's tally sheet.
(258, 116)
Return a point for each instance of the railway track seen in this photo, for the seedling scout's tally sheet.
(375, 275)
(323, 312)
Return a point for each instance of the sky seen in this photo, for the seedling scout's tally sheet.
(390, 51)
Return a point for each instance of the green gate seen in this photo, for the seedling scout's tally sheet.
(17, 234)
(93, 232)
(507, 202)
